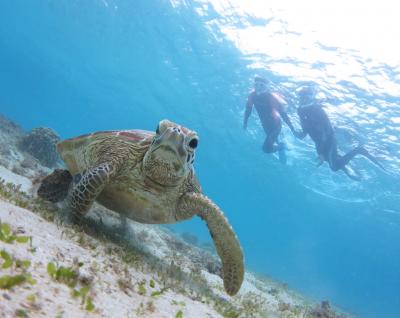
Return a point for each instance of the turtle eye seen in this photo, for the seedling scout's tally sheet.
(158, 129)
(193, 143)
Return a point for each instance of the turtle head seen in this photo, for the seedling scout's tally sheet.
(170, 157)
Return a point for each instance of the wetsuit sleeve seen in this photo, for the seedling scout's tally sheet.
(249, 108)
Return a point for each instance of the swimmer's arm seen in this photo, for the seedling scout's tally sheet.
(285, 117)
(279, 103)
(249, 108)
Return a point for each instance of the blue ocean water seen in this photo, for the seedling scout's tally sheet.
(81, 66)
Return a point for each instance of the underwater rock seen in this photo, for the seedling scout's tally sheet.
(8, 127)
(324, 311)
(41, 144)
(10, 135)
(12, 157)
(54, 187)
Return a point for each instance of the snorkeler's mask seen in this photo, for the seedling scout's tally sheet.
(306, 96)
(261, 85)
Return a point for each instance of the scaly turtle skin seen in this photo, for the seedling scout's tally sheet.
(147, 177)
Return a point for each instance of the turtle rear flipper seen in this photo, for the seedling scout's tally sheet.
(54, 187)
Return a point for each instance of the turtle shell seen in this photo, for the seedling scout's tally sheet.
(72, 150)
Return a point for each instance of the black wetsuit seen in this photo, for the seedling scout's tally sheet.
(315, 123)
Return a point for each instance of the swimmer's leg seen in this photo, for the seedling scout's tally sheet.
(364, 152)
(336, 161)
(341, 161)
(272, 133)
(268, 146)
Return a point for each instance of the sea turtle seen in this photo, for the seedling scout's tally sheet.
(147, 177)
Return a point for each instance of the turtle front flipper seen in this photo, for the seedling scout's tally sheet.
(225, 240)
(87, 186)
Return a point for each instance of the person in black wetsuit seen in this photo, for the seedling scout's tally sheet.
(270, 110)
(315, 123)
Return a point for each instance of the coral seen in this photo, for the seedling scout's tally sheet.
(41, 144)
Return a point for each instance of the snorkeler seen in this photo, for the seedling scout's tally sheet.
(270, 110)
(315, 123)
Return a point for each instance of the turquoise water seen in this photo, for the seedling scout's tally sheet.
(80, 66)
